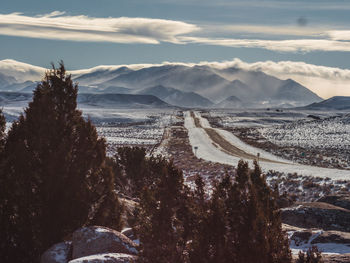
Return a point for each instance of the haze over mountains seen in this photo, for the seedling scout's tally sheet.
(178, 85)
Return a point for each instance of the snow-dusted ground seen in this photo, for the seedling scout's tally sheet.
(206, 150)
(133, 128)
(234, 140)
(325, 248)
(329, 133)
(264, 118)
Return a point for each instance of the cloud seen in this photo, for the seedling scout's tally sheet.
(294, 45)
(283, 30)
(343, 35)
(83, 28)
(57, 25)
(324, 81)
(288, 68)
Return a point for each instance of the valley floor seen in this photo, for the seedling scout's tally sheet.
(217, 145)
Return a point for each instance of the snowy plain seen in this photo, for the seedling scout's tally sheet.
(207, 151)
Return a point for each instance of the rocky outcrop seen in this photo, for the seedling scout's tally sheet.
(301, 237)
(314, 236)
(128, 232)
(94, 244)
(317, 215)
(106, 258)
(336, 237)
(341, 200)
(58, 253)
(94, 240)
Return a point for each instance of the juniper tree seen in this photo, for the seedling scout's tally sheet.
(2, 130)
(159, 227)
(312, 255)
(244, 223)
(53, 169)
(137, 170)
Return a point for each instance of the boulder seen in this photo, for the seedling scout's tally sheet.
(301, 237)
(106, 258)
(336, 237)
(94, 240)
(129, 233)
(58, 253)
(341, 200)
(317, 215)
(319, 237)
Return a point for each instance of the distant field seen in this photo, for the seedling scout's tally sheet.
(308, 137)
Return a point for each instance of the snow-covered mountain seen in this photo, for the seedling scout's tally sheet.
(191, 86)
(334, 103)
(21, 72)
(6, 80)
(177, 97)
(99, 75)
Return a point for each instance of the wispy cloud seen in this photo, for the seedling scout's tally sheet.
(57, 25)
(282, 30)
(339, 35)
(294, 45)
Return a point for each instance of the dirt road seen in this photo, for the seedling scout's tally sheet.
(226, 146)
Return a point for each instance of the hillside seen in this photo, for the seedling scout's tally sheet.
(334, 103)
(20, 99)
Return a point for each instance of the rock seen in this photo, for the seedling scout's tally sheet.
(106, 258)
(317, 215)
(128, 232)
(301, 237)
(304, 236)
(288, 228)
(333, 237)
(98, 240)
(58, 253)
(341, 200)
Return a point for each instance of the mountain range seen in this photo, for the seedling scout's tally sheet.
(175, 84)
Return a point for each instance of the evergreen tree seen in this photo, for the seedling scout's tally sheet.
(137, 170)
(108, 210)
(313, 255)
(243, 224)
(199, 237)
(2, 130)
(53, 170)
(159, 227)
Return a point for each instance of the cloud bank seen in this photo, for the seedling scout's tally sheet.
(59, 26)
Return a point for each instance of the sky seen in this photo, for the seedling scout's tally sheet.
(87, 33)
